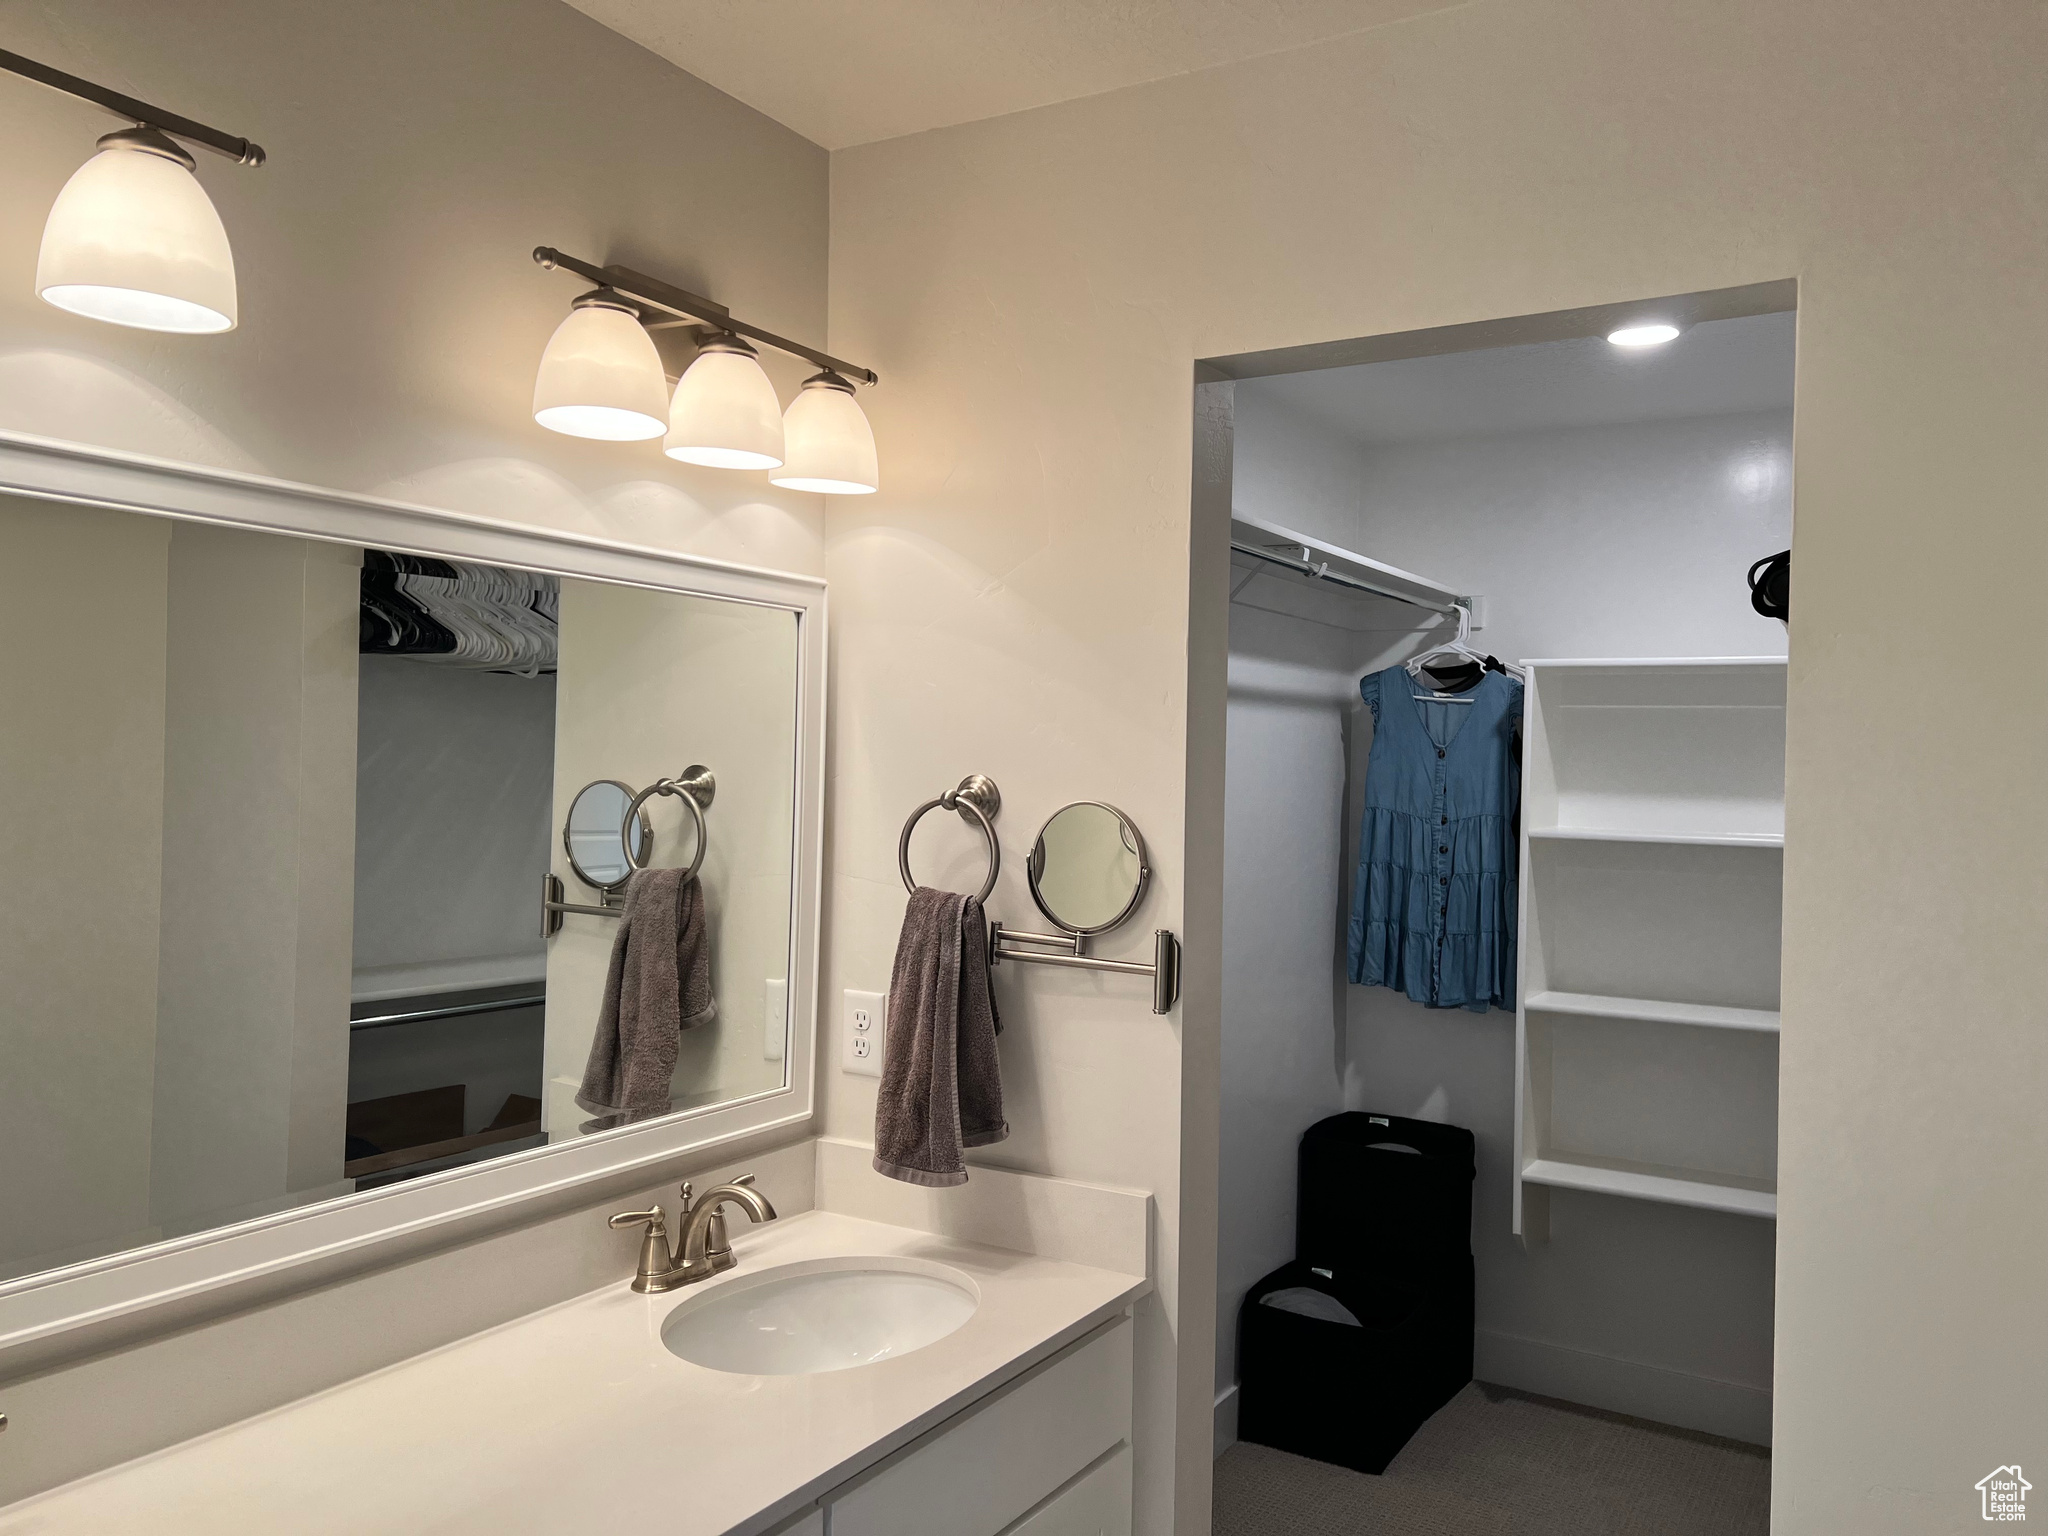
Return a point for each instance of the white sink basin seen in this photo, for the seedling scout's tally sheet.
(824, 1315)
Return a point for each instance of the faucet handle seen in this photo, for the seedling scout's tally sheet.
(655, 1261)
(744, 1181)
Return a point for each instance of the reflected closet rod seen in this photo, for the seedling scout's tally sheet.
(496, 1005)
(1322, 572)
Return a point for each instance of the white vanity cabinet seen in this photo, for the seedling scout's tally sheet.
(1097, 1503)
(1047, 1455)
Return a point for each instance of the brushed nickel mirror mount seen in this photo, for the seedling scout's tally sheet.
(607, 837)
(1088, 871)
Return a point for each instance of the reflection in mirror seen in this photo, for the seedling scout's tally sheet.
(594, 837)
(1088, 869)
(327, 786)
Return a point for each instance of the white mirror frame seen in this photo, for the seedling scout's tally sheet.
(54, 1312)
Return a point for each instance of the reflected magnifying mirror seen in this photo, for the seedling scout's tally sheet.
(594, 834)
(1088, 867)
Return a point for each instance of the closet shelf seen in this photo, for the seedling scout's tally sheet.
(1704, 1191)
(1691, 839)
(1676, 666)
(1650, 1011)
(1637, 773)
(1314, 559)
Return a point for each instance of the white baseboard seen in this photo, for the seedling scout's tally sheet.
(1621, 1386)
(1226, 1418)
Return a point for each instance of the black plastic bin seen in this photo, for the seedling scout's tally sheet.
(1383, 1226)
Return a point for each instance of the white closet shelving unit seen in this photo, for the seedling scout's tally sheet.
(1653, 835)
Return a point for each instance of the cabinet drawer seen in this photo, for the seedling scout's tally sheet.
(983, 1470)
(1097, 1503)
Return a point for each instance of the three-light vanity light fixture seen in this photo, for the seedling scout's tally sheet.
(133, 239)
(601, 377)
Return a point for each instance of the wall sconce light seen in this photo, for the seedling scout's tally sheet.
(600, 375)
(831, 445)
(725, 413)
(133, 238)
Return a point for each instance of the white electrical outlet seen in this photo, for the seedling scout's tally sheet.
(865, 1020)
(775, 1018)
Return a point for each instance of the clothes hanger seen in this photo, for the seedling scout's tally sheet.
(1463, 652)
(1440, 696)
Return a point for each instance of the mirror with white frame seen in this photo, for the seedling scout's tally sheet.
(325, 791)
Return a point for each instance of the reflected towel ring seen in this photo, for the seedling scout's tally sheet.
(976, 796)
(695, 787)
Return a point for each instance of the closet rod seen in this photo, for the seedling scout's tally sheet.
(386, 1020)
(1324, 573)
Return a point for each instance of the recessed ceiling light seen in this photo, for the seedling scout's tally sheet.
(1650, 334)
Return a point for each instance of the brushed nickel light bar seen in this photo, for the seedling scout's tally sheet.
(133, 239)
(141, 113)
(674, 308)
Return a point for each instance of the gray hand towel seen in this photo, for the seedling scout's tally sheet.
(942, 1086)
(659, 985)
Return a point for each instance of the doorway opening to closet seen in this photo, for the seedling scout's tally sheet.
(1561, 937)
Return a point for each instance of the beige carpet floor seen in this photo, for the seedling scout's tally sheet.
(1495, 1461)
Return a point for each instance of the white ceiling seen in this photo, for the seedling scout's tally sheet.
(1716, 368)
(846, 72)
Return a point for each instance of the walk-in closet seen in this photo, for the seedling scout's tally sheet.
(1568, 535)
(455, 761)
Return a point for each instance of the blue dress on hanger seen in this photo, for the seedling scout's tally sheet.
(1433, 905)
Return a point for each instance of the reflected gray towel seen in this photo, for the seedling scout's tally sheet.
(942, 1086)
(659, 985)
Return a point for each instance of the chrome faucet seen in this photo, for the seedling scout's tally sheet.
(701, 1248)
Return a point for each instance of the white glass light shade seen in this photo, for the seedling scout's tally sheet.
(725, 413)
(831, 447)
(133, 239)
(1650, 334)
(601, 377)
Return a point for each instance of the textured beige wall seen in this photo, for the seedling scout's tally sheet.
(650, 683)
(81, 783)
(391, 314)
(175, 1015)
(1035, 289)
(259, 815)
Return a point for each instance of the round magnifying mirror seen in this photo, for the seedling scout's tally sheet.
(1088, 867)
(594, 834)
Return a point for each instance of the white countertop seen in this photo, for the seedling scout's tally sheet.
(577, 1418)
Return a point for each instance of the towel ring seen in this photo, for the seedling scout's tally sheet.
(695, 787)
(977, 796)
